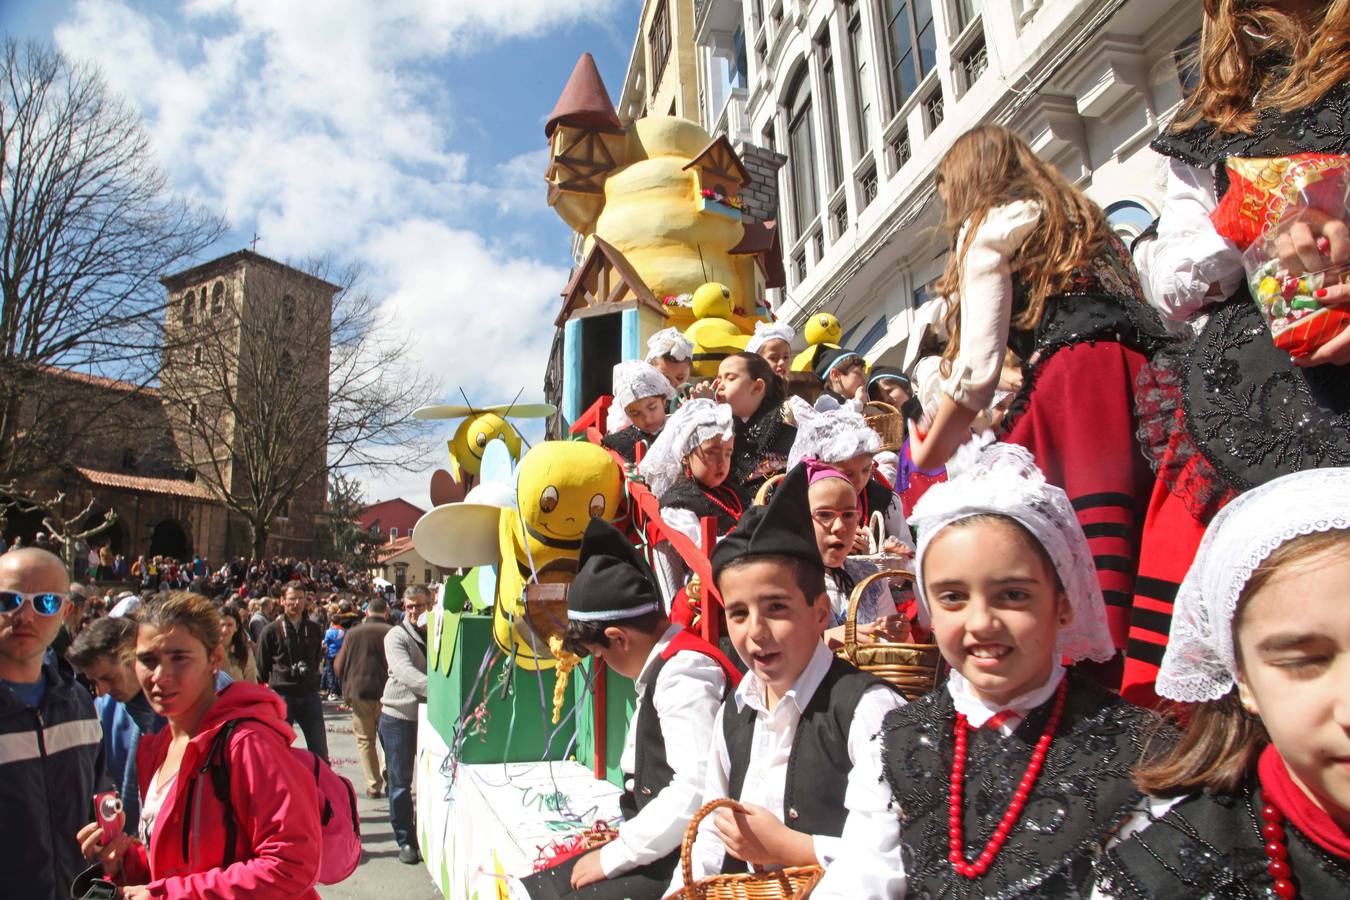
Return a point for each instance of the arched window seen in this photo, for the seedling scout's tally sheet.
(286, 367)
(197, 355)
(218, 297)
(1128, 219)
(288, 309)
(189, 301)
(802, 153)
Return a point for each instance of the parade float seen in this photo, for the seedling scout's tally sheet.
(519, 746)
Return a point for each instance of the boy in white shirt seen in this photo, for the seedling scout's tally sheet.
(785, 741)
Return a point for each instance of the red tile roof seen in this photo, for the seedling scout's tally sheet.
(175, 487)
(394, 548)
(100, 381)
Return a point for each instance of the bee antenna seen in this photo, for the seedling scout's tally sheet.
(701, 264)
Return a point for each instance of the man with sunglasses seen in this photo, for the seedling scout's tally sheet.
(50, 747)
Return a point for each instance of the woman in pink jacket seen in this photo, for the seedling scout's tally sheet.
(181, 850)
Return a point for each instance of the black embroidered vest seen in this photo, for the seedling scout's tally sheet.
(818, 766)
(1084, 792)
(1210, 845)
(763, 443)
(688, 494)
(1250, 413)
(624, 442)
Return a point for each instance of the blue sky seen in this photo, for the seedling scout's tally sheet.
(403, 134)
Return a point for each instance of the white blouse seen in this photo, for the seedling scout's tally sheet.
(154, 799)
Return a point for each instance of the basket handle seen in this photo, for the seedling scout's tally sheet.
(876, 532)
(762, 495)
(886, 408)
(687, 845)
(851, 617)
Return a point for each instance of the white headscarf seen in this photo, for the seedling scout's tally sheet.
(830, 436)
(1004, 481)
(635, 380)
(768, 331)
(669, 342)
(693, 423)
(1200, 662)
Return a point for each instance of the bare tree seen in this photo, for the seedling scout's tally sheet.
(344, 540)
(87, 225)
(294, 378)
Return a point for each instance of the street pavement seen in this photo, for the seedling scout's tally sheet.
(380, 874)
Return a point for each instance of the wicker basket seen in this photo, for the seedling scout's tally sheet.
(887, 422)
(793, 883)
(912, 668)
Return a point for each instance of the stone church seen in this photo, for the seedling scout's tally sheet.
(141, 451)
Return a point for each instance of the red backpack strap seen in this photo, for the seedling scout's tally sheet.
(688, 640)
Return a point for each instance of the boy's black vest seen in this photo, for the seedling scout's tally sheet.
(1084, 793)
(819, 764)
(1211, 846)
(652, 772)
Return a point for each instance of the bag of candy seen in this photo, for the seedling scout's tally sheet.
(1298, 322)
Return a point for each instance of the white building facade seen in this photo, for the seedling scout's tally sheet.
(864, 97)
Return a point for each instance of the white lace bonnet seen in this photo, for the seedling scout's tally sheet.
(635, 380)
(1003, 480)
(830, 436)
(768, 331)
(669, 342)
(693, 423)
(1200, 663)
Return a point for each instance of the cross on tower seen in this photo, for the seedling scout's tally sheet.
(254, 242)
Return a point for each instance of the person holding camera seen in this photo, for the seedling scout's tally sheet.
(290, 654)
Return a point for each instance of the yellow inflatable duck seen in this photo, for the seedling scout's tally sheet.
(560, 485)
(822, 331)
(713, 334)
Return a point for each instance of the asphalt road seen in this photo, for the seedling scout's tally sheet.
(380, 874)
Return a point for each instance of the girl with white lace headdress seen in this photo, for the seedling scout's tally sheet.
(671, 354)
(1011, 778)
(687, 469)
(773, 341)
(842, 438)
(1260, 643)
(639, 410)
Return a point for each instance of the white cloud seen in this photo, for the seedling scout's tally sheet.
(324, 127)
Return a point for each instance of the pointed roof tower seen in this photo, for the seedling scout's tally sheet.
(584, 102)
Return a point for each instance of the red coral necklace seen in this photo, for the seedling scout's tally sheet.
(956, 842)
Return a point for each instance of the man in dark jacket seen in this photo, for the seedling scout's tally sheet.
(290, 655)
(362, 670)
(50, 748)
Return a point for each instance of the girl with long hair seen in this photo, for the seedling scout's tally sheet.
(238, 661)
(181, 851)
(1261, 646)
(1036, 269)
(1227, 410)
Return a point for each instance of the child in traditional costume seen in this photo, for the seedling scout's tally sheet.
(1261, 643)
(773, 341)
(887, 384)
(672, 354)
(1228, 410)
(615, 614)
(747, 384)
(1036, 268)
(641, 395)
(842, 438)
(1011, 778)
(785, 741)
(687, 468)
(844, 374)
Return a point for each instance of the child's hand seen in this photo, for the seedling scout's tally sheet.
(90, 838)
(758, 837)
(587, 870)
(895, 548)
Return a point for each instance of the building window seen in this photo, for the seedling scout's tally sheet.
(933, 109)
(285, 511)
(867, 185)
(974, 62)
(912, 44)
(901, 151)
(286, 366)
(288, 309)
(218, 298)
(427, 574)
(818, 241)
(659, 40)
(840, 216)
(189, 301)
(197, 355)
(799, 267)
(925, 292)
(802, 154)
(128, 458)
(192, 414)
(393, 532)
(874, 334)
(966, 12)
(834, 162)
(864, 93)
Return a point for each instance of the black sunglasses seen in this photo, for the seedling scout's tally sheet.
(44, 604)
